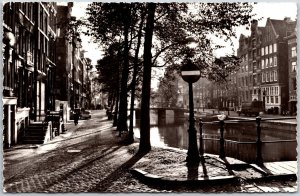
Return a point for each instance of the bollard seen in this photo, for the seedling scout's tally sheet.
(259, 159)
(222, 151)
(201, 139)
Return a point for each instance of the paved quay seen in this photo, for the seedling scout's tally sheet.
(212, 170)
(91, 158)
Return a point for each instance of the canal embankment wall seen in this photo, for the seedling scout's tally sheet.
(273, 123)
(270, 122)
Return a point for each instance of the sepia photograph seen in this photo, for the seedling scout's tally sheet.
(149, 97)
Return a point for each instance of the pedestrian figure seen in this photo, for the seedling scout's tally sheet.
(76, 117)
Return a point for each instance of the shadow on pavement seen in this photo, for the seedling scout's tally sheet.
(105, 183)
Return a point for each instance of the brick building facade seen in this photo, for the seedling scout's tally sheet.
(264, 74)
(40, 67)
(29, 33)
(292, 68)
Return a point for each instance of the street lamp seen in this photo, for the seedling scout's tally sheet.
(191, 74)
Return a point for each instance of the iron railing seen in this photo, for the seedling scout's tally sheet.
(258, 143)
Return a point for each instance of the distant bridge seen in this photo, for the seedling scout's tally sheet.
(163, 115)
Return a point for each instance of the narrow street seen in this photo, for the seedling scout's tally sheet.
(73, 164)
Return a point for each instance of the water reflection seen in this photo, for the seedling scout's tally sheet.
(239, 140)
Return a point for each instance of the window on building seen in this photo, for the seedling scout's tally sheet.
(46, 24)
(276, 99)
(275, 47)
(271, 61)
(254, 79)
(294, 66)
(24, 44)
(267, 63)
(276, 90)
(272, 90)
(275, 75)
(263, 77)
(267, 99)
(271, 77)
(266, 50)
(267, 77)
(272, 99)
(270, 49)
(275, 61)
(294, 51)
(294, 81)
(41, 19)
(31, 11)
(265, 91)
(262, 51)
(262, 63)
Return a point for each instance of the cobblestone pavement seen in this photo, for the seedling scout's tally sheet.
(92, 159)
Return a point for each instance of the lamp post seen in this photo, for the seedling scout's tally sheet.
(191, 74)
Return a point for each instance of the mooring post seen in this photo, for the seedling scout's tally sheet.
(259, 159)
(222, 151)
(201, 139)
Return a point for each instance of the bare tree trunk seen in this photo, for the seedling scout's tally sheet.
(145, 145)
(122, 121)
(135, 71)
(115, 114)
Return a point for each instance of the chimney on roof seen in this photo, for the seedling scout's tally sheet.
(287, 19)
(254, 24)
(70, 4)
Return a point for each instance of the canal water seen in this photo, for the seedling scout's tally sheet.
(240, 139)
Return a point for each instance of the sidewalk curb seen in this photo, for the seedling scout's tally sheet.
(273, 177)
(158, 180)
